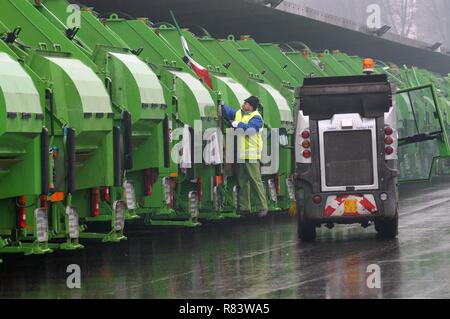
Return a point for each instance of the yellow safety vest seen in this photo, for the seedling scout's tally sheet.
(251, 145)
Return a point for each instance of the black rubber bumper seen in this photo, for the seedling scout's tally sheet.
(316, 212)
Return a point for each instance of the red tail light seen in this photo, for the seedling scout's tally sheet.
(389, 150)
(306, 134)
(200, 189)
(148, 183)
(172, 187)
(22, 212)
(278, 185)
(95, 202)
(306, 144)
(106, 195)
(389, 140)
(44, 203)
(148, 188)
(388, 131)
(317, 199)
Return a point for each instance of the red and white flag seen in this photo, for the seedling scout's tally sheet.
(200, 70)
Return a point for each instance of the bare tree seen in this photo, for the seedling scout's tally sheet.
(399, 14)
(433, 21)
(426, 20)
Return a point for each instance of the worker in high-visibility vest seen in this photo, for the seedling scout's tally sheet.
(248, 124)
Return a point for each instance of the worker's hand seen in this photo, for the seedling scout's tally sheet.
(235, 124)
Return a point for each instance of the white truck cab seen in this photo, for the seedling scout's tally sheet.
(346, 154)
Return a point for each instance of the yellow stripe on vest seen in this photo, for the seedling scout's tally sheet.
(250, 146)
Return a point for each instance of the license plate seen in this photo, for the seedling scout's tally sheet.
(350, 207)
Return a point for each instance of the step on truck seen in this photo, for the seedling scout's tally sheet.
(346, 154)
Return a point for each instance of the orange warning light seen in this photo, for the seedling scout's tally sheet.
(368, 66)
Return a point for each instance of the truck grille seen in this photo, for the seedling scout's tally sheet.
(348, 158)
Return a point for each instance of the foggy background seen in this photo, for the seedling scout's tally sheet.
(424, 20)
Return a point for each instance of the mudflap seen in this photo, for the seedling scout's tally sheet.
(271, 192)
(119, 210)
(166, 216)
(72, 227)
(222, 204)
(291, 192)
(40, 246)
(170, 218)
(131, 204)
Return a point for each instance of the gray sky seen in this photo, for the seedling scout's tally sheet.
(425, 20)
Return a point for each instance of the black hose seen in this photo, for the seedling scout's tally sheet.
(49, 96)
(45, 164)
(192, 133)
(166, 133)
(127, 136)
(117, 149)
(71, 154)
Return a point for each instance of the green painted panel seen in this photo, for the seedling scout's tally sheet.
(238, 89)
(149, 87)
(205, 103)
(92, 93)
(280, 101)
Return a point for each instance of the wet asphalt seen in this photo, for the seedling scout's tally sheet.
(257, 258)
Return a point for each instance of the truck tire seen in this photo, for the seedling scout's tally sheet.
(387, 228)
(306, 229)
